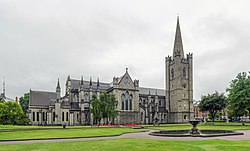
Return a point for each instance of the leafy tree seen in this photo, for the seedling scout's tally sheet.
(217, 115)
(239, 95)
(213, 103)
(96, 109)
(12, 113)
(109, 104)
(104, 107)
(24, 101)
(112, 112)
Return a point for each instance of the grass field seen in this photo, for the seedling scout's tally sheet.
(209, 126)
(135, 144)
(65, 133)
(87, 131)
(4, 127)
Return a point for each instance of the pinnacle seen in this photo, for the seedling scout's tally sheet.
(178, 46)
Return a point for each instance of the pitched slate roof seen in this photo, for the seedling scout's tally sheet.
(145, 91)
(41, 98)
(75, 84)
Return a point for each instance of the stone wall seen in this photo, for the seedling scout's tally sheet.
(127, 117)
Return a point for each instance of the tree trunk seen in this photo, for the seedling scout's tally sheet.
(213, 116)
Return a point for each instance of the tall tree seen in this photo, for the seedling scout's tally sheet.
(213, 103)
(104, 107)
(12, 113)
(24, 101)
(96, 109)
(239, 95)
(111, 108)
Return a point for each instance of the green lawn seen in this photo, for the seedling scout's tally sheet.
(4, 127)
(135, 144)
(223, 126)
(65, 133)
(87, 131)
(25, 127)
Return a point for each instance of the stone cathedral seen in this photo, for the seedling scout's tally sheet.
(136, 104)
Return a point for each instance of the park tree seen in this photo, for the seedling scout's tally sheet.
(24, 101)
(96, 109)
(12, 113)
(213, 103)
(104, 107)
(111, 104)
(239, 95)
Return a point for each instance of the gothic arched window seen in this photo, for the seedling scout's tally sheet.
(37, 116)
(123, 100)
(130, 101)
(34, 116)
(62, 116)
(184, 73)
(126, 100)
(43, 116)
(67, 116)
(172, 73)
(54, 116)
(141, 116)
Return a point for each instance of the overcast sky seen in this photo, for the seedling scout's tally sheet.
(41, 41)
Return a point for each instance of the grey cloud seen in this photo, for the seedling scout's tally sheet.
(41, 41)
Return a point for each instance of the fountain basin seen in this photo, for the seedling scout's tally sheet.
(187, 133)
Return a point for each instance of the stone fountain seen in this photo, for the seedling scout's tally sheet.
(195, 132)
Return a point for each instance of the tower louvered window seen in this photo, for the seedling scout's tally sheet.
(172, 73)
(184, 74)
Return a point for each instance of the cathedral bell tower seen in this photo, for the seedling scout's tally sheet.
(179, 82)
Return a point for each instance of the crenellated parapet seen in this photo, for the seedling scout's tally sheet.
(184, 60)
(168, 59)
(189, 55)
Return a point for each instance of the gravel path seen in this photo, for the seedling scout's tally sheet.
(144, 135)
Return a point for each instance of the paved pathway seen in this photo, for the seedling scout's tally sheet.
(144, 135)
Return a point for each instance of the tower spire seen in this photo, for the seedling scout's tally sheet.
(81, 80)
(58, 91)
(178, 46)
(98, 83)
(90, 82)
(58, 84)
